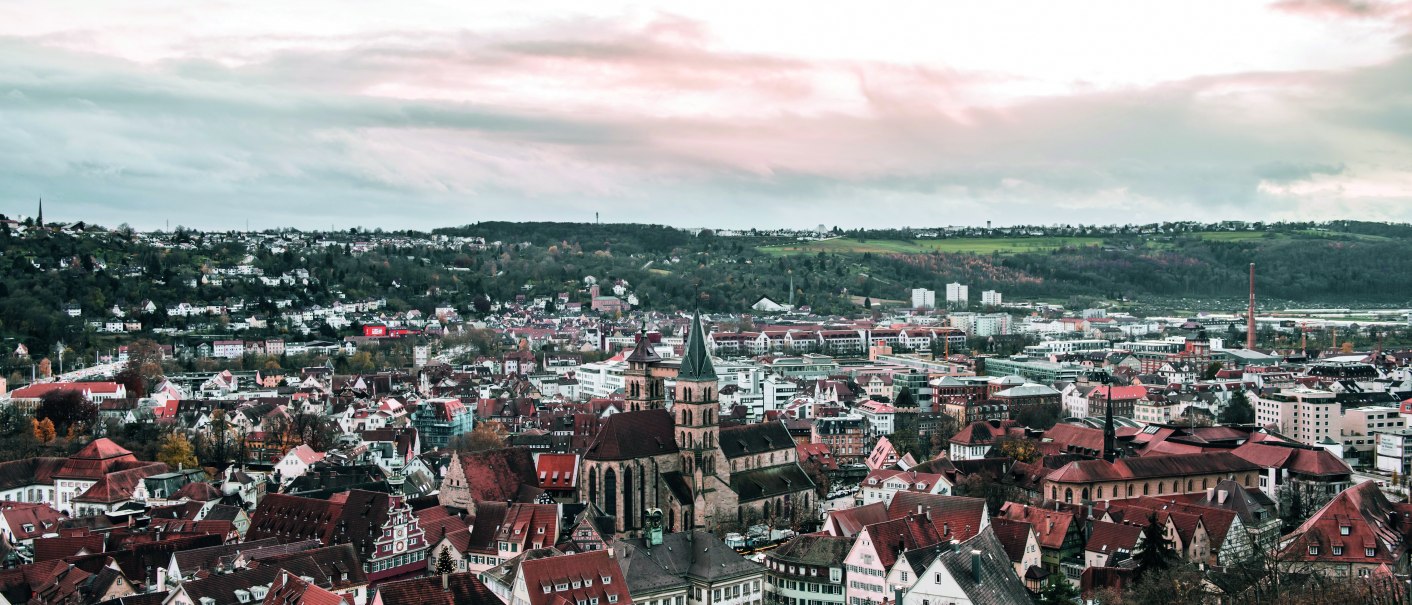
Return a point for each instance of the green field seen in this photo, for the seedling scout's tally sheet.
(1002, 245)
(1230, 236)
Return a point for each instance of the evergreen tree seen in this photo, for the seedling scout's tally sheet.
(1156, 551)
(867, 302)
(443, 562)
(1238, 410)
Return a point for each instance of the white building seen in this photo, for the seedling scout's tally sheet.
(991, 298)
(923, 298)
(601, 379)
(1304, 414)
(958, 295)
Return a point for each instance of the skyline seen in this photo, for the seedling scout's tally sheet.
(784, 116)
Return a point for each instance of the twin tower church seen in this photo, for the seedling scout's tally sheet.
(667, 452)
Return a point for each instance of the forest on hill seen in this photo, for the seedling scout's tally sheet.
(93, 269)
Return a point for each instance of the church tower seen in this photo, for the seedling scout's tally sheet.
(696, 410)
(641, 389)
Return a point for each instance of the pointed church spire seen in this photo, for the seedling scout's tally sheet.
(41, 212)
(696, 363)
(1110, 435)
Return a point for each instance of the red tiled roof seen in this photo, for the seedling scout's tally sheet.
(849, 521)
(1154, 467)
(1357, 519)
(550, 580)
(1107, 538)
(36, 391)
(497, 475)
(557, 471)
(454, 589)
(954, 517)
(892, 538)
(290, 590)
(1050, 525)
(1013, 535)
(1318, 462)
(1100, 393)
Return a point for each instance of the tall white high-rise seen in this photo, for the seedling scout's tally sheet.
(957, 295)
(990, 298)
(922, 297)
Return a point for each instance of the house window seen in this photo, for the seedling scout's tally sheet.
(1371, 552)
(1338, 550)
(1313, 549)
(1343, 530)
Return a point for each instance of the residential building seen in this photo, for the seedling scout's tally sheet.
(957, 295)
(923, 298)
(1306, 415)
(439, 420)
(808, 569)
(843, 435)
(991, 298)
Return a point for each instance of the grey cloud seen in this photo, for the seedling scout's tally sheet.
(289, 140)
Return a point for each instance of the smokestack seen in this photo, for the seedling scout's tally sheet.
(1250, 314)
(976, 566)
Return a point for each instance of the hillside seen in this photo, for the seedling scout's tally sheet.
(94, 270)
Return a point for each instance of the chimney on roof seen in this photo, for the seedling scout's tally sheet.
(1210, 494)
(976, 566)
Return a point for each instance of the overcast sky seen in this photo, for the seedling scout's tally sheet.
(721, 114)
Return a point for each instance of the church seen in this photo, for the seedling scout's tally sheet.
(668, 452)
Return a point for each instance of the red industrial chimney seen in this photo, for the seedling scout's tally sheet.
(1250, 314)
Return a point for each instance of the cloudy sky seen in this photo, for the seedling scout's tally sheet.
(423, 114)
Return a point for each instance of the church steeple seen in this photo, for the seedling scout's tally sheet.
(696, 363)
(696, 411)
(41, 212)
(643, 389)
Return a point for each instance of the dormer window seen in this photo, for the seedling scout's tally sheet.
(1338, 550)
(1343, 530)
(1371, 552)
(607, 579)
(1313, 549)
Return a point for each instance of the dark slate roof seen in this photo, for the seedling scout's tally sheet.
(645, 575)
(189, 561)
(642, 351)
(697, 555)
(696, 363)
(999, 585)
(770, 481)
(815, 549)
(737, 441)
(676, 482)
(631, 435)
